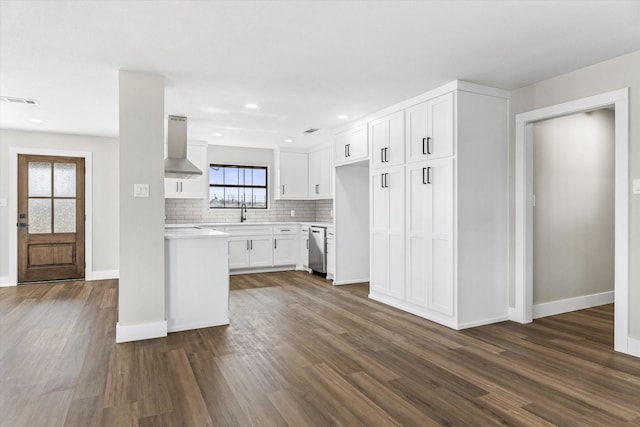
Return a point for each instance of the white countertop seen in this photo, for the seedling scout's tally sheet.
(244, 224)
(191, 232)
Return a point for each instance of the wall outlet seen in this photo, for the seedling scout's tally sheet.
(140, 190)
(331, 213)
(293, 213)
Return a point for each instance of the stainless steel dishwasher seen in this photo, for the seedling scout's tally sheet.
(318, 249)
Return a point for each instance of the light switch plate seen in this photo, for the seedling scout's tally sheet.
(140, 190)
(3, 202)
(293, 213)
(636, 186)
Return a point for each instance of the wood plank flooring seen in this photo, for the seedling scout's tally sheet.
(300, 352)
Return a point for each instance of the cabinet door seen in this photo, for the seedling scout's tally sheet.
(285, 250)
(293, 175)
(304, 249)
(430, 235)
(261, 251)
(379, 219)
(351, 145)
(387, 232)
(238, 252)
(195, 188)
(386, 139)
(172, 188)
(320, 170)
(440, 116)
(331, 253)
(430, 129)
(395, 232)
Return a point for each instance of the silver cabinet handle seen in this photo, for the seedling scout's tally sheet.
(247, 245)
(429, 145)
(307, 243)
(251, 246)
(275, 243)
(429, 175)
(283, 189)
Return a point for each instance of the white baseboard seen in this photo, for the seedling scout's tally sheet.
(511, 313)
(572, 304)
(4, 281)
(189, 326)
(140, 331)
(350, 282)
(633, 346)
(261, 270)
(103, 275)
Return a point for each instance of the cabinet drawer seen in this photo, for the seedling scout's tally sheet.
(285, 229)
(249, 231)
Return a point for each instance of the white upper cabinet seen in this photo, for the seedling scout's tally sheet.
(386, 138)
(292, 173)
(351, 146)
(430, 129)
(195, 188)
(320, 173)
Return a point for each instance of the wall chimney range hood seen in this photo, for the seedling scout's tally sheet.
(176, 164)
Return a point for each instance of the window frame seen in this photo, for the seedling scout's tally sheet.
(238, 166)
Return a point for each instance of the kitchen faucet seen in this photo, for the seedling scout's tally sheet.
(243, 212)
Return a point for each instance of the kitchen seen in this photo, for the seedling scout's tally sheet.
(334, 150)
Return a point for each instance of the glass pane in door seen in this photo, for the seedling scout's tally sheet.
(39, 216)
(64, 216)
(64, 179)
(39, 179)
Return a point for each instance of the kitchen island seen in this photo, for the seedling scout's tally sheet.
(196, 278)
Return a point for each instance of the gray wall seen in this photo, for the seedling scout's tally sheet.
(141, 286)
(606, 76)
(182, 211)
(573, 221)
(105, 189)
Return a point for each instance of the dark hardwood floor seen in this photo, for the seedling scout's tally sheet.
(301, 352)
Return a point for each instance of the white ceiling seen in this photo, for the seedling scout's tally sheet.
(303, 62)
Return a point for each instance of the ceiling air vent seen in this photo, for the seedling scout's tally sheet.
(18, 100)
(311, 130)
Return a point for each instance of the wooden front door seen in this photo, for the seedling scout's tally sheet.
(50, 218)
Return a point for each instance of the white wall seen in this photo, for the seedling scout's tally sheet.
(573, 221)
(105, 190)
(141, 309)
(603, 77)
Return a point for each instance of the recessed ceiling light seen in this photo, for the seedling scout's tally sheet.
(217, 134)
(288, 140)
(343, 117)
(251, 106)
(36, 121)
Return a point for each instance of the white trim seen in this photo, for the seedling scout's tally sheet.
(633, 346)
(262, 269)
(512, 314)
(4, 281)
(105, 275)
(350, 282)
(523, 311)
(140, 331)
(198, 325)
(417, 311)
(13, 203)
(567, 305)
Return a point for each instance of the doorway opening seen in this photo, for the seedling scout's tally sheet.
(573, 212)
(524, 267)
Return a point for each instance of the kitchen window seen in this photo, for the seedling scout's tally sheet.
(232, 185)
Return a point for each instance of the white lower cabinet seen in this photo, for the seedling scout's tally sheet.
(250, 252)
(304, 246)
(331, 253)
(430, 235)
(285, 250)
(387, 232)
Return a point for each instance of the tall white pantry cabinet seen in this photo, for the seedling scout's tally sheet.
(439, 216)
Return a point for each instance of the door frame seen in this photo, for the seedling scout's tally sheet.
(13, 204)
(523, 311)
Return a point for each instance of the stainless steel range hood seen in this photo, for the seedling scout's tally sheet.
(176, 164)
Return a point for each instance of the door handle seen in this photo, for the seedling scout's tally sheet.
(22, 225)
